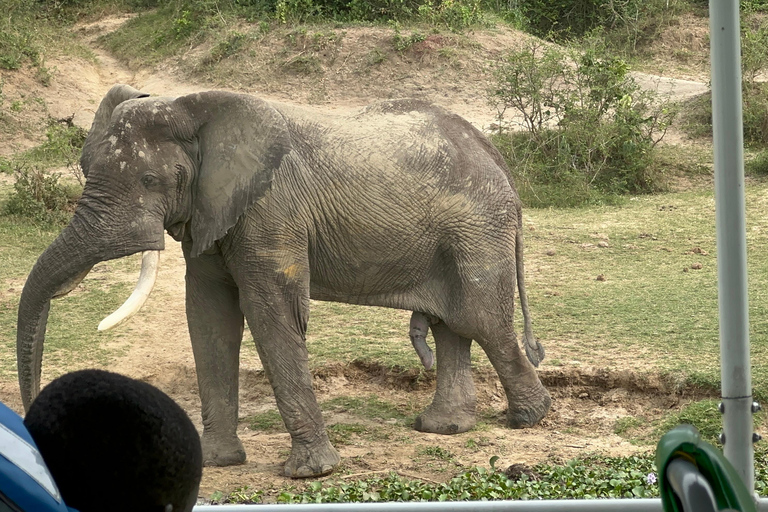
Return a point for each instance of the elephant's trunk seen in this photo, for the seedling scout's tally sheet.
(94, 234)
(57, 271)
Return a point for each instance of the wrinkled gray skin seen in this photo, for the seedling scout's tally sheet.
(403, 205)
(418, 332)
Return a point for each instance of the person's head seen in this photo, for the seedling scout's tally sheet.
(114, 443)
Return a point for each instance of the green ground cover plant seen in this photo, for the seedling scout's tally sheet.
(589, 477)
(586, 478)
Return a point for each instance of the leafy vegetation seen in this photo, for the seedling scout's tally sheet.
(589, 130)
(634, 20)
(40, 195)
(754, 49)
(589, 477)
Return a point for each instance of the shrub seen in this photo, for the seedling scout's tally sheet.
(758, 165)
(63, 144)
(565, 19)
(754, 50)
(456, 15)
(588, 129)
(40, 197)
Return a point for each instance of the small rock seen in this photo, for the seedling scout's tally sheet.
(685, 269)
(600, 277)
(696, 266)
(551, 252)
(602, 243)
(583, 395)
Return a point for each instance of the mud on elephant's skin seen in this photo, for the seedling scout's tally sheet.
(402, 205)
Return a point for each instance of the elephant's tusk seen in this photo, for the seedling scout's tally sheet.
(147, 278)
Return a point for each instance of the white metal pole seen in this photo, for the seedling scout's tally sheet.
(731, 236)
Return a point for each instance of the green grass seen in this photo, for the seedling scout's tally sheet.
(653, 310)
(654, 313)
(347, 433)
(702, 414)
(372, 408)
(268, 422)
(155, 35)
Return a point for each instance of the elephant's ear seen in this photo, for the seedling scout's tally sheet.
(242, 141)
(116, 95)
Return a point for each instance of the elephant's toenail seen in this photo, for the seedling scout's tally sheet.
(304, 471)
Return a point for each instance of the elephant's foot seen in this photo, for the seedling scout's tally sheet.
(530, 412)
(217, 452)
(450, 421)
(313, 460)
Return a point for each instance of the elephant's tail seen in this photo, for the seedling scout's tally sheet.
(533, 349)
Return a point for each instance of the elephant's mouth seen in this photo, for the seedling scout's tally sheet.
(147, 278)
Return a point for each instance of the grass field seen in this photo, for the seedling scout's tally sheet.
(630, 286)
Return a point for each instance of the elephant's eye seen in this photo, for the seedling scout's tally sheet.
(149, 180)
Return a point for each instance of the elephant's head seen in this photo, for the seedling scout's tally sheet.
(190, 165)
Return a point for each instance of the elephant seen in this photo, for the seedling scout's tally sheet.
(401, 205)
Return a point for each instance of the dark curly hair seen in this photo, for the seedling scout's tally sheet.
(114, 443)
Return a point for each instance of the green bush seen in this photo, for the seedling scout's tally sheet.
(40, 196)
(755, 113)
(754, 50)
(758, 165)
(18, 44)
(589, 131)
(62, 146)
(456, 15)
(565, 19)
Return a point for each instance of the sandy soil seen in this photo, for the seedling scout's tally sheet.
(155, 344)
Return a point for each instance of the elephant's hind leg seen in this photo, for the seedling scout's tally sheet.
(453, 407)
(216, 330)
(276, 304)
(528, 400)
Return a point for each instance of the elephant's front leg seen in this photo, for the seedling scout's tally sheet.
(216, 329)
(275, 299)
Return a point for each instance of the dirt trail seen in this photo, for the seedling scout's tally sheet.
(156, 342)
